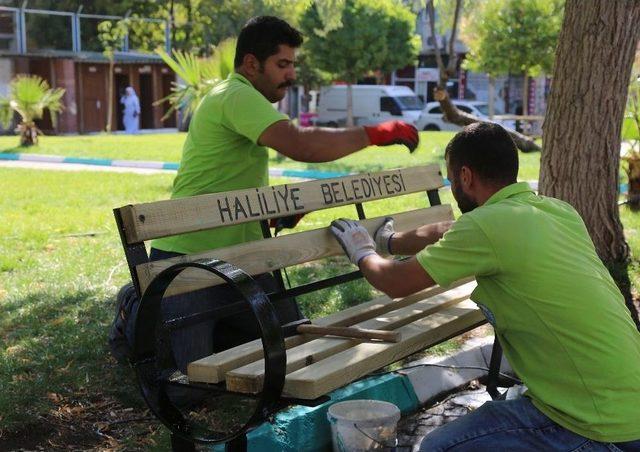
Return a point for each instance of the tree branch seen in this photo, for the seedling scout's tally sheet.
(451, 113)
(453, 56)
(442, 80)
(460, 118)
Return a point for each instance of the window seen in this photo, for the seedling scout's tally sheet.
(435, 110)
(410, 102)
(389, 104)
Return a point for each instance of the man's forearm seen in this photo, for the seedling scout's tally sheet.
(322, 144)
(313, 144)
(395, 278)
(411, 242)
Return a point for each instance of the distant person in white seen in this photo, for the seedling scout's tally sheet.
(131, 114)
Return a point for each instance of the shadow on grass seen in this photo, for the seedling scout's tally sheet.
(54, 348)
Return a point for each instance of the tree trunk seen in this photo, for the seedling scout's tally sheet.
(581, 140)
(525, 95)
(28, 133)
(492, 95)
(350, 122)
(110, 94)
(633, 174)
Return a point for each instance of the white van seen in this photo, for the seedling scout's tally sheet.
(372, 104)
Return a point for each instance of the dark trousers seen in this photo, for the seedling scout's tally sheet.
(214, 335)
(194, 341)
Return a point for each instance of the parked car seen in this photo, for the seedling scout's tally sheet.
(372, 104)
(431, 116)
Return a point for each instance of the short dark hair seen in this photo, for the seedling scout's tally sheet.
(262, 35)
(487, 149)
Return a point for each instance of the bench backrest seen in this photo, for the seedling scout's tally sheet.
(143, 222)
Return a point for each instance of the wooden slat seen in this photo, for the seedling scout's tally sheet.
(320, 378)
(270, 254)
(249, 378)
(212, 369)
(197, 213)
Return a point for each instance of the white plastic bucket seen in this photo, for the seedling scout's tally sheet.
(363, 425)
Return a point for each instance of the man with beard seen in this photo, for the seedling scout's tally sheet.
(226, 149)
(556, 311)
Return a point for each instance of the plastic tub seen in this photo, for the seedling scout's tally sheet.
(363, 425)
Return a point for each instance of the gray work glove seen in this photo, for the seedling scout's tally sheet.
(354, 239)
(383, 236)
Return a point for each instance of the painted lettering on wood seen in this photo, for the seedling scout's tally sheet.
(197, 213)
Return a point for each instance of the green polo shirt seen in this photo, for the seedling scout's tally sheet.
(559, 316)
(221, 153)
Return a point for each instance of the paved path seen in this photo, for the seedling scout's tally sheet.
(413, 428)
(79, 167)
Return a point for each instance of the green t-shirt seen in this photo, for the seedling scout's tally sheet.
(560, 318)
(221, 154)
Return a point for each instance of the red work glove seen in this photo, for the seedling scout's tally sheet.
(285, 222)
(393, 132)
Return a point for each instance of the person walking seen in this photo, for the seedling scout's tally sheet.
(131, 113)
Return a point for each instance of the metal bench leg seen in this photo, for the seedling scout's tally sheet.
(237, 444)
(494, 370)
(179, 444)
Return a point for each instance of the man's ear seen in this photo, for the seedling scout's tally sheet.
(250, 64)
(466, 177)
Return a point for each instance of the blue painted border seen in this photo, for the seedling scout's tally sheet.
(303, 174)
(307, 427)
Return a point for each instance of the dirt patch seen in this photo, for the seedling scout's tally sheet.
(98, 423)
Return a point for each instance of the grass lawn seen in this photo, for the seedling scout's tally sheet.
(168, 148)
(61, 264)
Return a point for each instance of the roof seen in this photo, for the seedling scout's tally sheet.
(89, 57)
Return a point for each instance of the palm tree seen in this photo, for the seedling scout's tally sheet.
(29, 96)
(197, 76)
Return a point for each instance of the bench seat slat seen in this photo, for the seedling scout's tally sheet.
(249, 378)
(197, 213)
(275, 253)
(345, 367)
(213, 368)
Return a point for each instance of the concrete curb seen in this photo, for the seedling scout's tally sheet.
(438, 376)
(408, 389)
(147, 164)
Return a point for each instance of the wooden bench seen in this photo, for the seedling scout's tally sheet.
(314, 365)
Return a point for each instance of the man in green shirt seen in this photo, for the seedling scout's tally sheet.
(226, 149)
(556, 311)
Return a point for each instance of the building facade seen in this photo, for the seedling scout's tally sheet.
(74, 62)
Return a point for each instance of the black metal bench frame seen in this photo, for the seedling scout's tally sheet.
(154, 363)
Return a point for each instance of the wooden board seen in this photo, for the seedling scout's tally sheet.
(213, 368)
(249, 378)
(343, 368)
(197, 213)
(270, 254)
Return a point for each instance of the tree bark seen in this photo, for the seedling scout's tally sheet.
(581, 140)
(451, 113)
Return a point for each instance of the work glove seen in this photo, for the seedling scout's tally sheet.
(393, 132)
(354, 239)
(383, 236)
